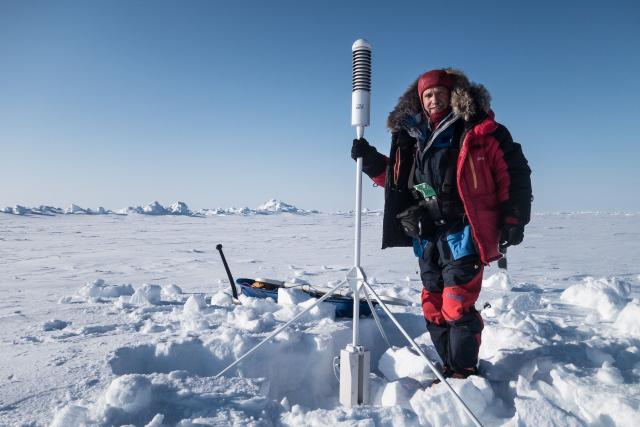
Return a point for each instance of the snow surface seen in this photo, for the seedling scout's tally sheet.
(125, 320)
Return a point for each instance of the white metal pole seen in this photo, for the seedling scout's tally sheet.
(424, 356)
(358, 210)
(280, 329)
(356, 287)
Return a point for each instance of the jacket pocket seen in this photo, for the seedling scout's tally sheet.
(461, 243)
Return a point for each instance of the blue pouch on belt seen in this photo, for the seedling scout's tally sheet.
(461, 243)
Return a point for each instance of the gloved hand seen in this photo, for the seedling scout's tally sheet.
(415, 222)
(511, 235)
(361, 148)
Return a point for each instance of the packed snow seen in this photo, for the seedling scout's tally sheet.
(127, 319)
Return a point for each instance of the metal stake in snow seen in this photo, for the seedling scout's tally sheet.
(234, 291)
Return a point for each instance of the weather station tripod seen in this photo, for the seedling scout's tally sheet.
(355, 360)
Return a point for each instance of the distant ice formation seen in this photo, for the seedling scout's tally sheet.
(271, 206)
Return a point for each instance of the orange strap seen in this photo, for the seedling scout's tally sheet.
(396, 167)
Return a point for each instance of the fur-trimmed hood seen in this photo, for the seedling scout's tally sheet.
(468, 100)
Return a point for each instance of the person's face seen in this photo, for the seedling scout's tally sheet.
(436, 99)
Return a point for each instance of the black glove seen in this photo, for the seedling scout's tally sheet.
(415, 222)
(361, 148)
(373, 163)
(511, 235)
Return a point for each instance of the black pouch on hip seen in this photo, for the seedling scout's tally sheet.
(416, 222)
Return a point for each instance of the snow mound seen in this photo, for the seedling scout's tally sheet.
(99, 289)
(609, 374)
(71, 415)
(499, 280)
(291, 296)
(195, 305)
(221, 299)
(171, 290)
(525, 302)
(435, 406)
(147, 294)
(628, 321)
(607, 296)
(404, 363)
(131, 393)
(399, 393)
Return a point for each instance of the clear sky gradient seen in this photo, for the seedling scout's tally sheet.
(119, 103)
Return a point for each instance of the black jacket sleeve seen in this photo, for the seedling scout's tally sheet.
(373, 163)
(518, 204)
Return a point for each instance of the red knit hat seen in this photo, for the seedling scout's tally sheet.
(434, 78)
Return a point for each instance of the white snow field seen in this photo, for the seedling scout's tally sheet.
(112, 320)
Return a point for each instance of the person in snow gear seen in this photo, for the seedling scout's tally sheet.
(456, 188)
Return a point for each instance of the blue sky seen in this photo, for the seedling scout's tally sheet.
(119, 103)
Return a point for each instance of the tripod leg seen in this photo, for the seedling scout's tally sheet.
(375, 317)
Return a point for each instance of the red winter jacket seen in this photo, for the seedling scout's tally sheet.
(483, 184)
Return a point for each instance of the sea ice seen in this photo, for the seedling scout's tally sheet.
(542, 363)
